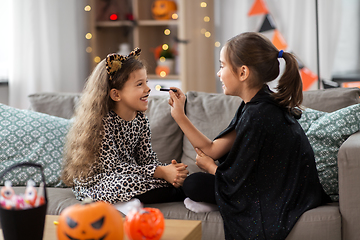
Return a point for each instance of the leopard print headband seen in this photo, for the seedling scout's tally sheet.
(114, 61)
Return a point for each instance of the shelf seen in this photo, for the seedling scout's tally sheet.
(157, 22)
(168, 77)
(115, 24)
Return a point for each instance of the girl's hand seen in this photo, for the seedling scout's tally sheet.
(177, 103)
(174, 173)
(205, 162)
(182, 173)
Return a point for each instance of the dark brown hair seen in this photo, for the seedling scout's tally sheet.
(261, 57)
(83, 140)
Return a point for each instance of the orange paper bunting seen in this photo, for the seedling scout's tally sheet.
(258, 7)
(308, 78)
(279, 41)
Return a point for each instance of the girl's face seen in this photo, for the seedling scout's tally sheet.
(230, 82)
(134, 95)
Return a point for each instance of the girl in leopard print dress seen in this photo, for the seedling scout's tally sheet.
(108, 154)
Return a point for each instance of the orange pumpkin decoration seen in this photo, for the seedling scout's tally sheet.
(96, 220)
(145, 224)
(163, 9)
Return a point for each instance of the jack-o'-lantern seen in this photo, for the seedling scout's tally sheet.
(163, 9)
(144, 224)
(95, 220)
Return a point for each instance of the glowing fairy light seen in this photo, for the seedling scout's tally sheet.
(203, 31)
(89, 49)
(167, 31)
(162, 59)
(206, 19)
(97, 59)
(88, 36)
(203, 4)
(217, 44)
(87, 8)
(162, 74)
(158, 87)
(165, 46)
(174, 16)
(207, 34)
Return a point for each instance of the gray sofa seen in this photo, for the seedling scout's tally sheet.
(211, 113)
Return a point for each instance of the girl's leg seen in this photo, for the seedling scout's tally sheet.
(162, 195)
(200, 187)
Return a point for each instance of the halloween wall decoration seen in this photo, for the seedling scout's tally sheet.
(163, 9)
(144, 224)
(92, 220)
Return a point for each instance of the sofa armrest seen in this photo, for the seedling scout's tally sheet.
(349, 186)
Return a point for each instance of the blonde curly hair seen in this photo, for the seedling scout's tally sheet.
(83, 141)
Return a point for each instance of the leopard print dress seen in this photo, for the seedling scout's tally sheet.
(126, 165)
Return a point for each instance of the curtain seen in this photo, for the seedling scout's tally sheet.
(296, 22)
(48, 48)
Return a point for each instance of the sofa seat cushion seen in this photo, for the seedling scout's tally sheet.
(28, 136)
(323, 222)
(326, 133)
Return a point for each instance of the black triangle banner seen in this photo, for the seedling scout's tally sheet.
(268, 24)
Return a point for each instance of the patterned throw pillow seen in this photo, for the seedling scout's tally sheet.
(326, 133)
(32, 137)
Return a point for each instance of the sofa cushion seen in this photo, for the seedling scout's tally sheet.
(55, 104)
(166, 135)
(210, 113)
(30, 136)
(326, 133)
(323, 222)
(329, 100)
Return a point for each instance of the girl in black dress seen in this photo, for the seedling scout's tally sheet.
(266, 177)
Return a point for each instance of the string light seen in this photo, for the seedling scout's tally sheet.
(167, 31)
(88, 36)
(206, 19)
(162, 59)
(217, 44)
(89, 49)
(87, 8)
(165, 46)
(174, 16)
(162, 74)
(158, 87)
(97, 59)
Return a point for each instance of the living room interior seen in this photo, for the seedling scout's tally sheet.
(325, 39)
(51, 47)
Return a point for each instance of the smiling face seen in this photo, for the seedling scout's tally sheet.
(133, 97)
(228, 78)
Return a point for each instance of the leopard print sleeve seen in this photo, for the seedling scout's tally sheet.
(120, 151)
(144, 152)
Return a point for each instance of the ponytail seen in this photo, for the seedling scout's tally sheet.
(289, 89)
(261, 56)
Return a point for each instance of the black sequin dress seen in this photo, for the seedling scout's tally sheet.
(268, 179)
